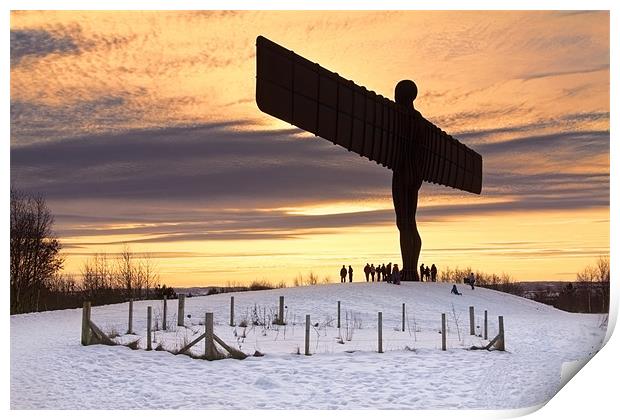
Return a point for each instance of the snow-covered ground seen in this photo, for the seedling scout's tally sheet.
(50, 369)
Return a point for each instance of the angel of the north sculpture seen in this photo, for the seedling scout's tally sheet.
(392, 134)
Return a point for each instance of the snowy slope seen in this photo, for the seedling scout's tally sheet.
(50, 369)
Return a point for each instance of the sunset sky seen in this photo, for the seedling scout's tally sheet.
(142, 128)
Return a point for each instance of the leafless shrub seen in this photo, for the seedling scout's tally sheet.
(112, 332)
(456, 319)
(351, 321)
(133, 344)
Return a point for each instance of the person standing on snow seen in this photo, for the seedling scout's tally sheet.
(433, 273)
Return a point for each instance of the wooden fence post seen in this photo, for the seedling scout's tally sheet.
(501, 344)
(209, 345)
(149, 314)
(232, 311)
(307, 350)
(338, 314)
(443, 332)
(181, 311)
(472, 327)
(486, 336)
(403, 317)
(281, 311)
(130, 323)
(85, 324)
(380, 331)
(165, 312)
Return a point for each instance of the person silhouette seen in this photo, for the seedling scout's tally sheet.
(343, 274)
(367, 271)
(427, 273)
(396, 275)
(383, 272)
(421, 272)
(433, 273)
(455, 291)
(350, 274)
(373, 270)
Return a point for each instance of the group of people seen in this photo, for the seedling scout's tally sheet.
(382, 272)
(428, 273)
(391, 274)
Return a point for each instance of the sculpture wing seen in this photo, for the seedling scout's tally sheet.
(303, 93)
(447, 161)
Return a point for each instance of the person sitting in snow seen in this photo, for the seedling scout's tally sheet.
(455, 291)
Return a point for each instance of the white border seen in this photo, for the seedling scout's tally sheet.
(590, 395)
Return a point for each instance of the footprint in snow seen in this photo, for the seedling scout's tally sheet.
(265, 383)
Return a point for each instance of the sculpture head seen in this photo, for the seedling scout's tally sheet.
(405, 93)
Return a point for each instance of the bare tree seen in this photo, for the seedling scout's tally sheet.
(603, 274)
(127, 271)
(35, 251)
(595, 278)
(149, 272)
(586, 279)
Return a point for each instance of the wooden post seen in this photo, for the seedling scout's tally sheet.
(149, 314)
(181, 311)
(486, 335)
(165, 312)
(307, 350)
(86, 324)
(380, 331)
(403, 317)
(338, 314)
(472, 327)
(232, 311)
(443, 332)
(130, 323)
(209, 346)
(501, 344)
(281, 311)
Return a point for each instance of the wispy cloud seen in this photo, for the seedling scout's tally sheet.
(38, 43)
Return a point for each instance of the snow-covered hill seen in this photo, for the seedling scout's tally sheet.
(50, 369)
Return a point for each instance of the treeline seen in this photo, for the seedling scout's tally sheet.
(502, 282)
(36, 282)
(106, 279)
(590, 293)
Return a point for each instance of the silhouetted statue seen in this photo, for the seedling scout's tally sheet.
(393, 134)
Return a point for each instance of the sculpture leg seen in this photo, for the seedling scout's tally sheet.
(405, 197)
